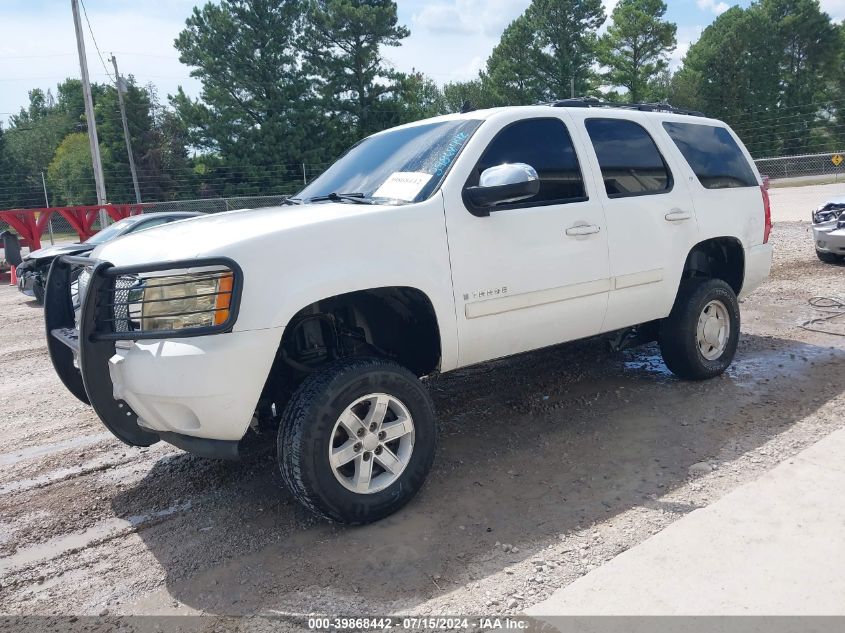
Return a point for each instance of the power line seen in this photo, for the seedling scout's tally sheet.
(38, 56)
(94, 39)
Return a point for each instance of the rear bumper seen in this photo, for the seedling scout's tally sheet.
(758, 265)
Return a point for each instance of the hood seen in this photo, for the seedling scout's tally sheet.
(59, 249)
(219, 233)
(836, 201)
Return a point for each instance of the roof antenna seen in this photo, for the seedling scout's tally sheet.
(467, 107)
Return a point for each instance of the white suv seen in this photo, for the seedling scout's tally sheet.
(425, 248)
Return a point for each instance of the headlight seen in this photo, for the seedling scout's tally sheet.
(78, 289)
(176, 302)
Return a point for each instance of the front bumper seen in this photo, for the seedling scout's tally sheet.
(26, 282)
(829, 239)
(202, 387)
(196, 392)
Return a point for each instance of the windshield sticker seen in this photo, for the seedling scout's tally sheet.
(403, 185)
(449, 153)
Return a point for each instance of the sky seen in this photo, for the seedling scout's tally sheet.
(450, 39)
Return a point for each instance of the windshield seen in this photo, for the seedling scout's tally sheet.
(403, 165)
(112, 231)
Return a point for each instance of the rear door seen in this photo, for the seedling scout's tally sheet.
(725, 187)
(651, 223)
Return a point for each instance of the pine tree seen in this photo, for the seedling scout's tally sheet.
(636, 47)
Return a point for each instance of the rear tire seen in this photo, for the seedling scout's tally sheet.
(827, 258)
(334, 449)
(698, 339)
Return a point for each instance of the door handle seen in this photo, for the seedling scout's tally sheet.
(582, 229)
(676, 215)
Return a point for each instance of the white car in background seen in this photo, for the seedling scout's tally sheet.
(425, 248)
(829, 231)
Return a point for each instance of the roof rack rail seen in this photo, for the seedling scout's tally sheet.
(592, 102)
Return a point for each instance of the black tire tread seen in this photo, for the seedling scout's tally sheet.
(678, 348)
(827, 258)
(314, 389)
(38, 292)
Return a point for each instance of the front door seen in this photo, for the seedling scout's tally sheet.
(532, 273)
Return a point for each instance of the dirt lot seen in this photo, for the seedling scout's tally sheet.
(549, 465)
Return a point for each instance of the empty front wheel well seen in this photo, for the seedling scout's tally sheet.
(393, 322)
(717, 258)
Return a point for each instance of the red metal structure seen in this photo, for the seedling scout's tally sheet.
(30, 224)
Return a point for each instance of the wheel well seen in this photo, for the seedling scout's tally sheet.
(393, 322)
(718, 258)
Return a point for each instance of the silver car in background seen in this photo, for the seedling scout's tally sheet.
(829, 231)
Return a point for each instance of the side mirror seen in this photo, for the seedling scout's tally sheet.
(510, 182)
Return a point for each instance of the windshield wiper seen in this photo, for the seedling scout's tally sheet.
(357, 198)
(292, 201)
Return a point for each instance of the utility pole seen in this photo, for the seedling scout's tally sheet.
(47, 204)
(96, 162)
(121, 88)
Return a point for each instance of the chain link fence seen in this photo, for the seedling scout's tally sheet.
(828, 166)
(831, 165)
(217, 205)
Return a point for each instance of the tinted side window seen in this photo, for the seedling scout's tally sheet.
(630, 162)
(713, 155)
(544, 144)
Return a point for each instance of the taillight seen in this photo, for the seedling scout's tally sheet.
(767, 209)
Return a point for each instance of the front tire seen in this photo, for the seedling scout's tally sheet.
(38, 292)
(357, 440)
(698, 339)
(827, 258)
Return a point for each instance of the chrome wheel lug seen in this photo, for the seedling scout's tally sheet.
(382, 435)
(378, 450)
(367, 456)
(360, 433)
(357, 447)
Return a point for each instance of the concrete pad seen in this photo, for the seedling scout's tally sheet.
(775, 546)
(794, 204)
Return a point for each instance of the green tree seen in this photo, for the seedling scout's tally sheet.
(7, 175)
(636, 47)
(770, 71)
(731, 73)
(512, 76)
(70, 174)
(809, 51)
(33, 136)
(547, 51)
(476, 92)
(418, 97)
(255, 109)
(161, 161)
(343, 44)
(110, 131)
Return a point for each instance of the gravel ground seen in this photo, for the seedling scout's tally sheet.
(550, 464)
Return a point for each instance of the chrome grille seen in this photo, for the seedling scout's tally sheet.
(126, 289)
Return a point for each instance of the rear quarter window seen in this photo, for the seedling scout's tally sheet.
(713, 154)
